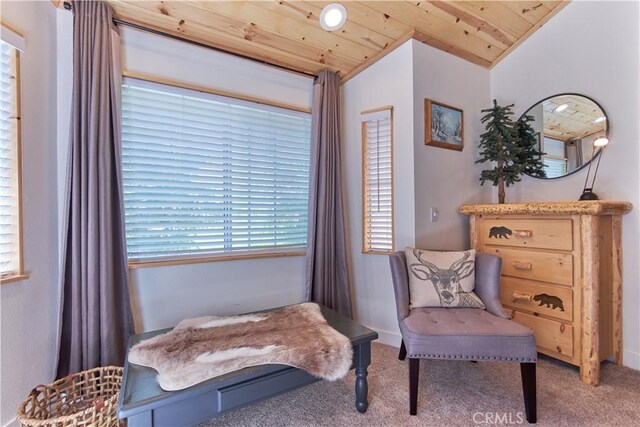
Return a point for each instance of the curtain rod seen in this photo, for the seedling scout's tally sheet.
(68, 6)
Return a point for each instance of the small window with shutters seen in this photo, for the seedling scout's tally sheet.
(208, 175)
(11, 265)
(377, 181)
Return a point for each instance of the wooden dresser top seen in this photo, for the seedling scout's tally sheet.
(594, 207)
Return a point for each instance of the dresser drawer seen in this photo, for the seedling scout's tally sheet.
(529, 233)
(542, 266)
(552, 336)
(552, 301)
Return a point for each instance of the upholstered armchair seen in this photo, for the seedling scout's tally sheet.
(464, 333)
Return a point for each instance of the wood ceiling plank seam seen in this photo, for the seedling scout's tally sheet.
(454, 50)
(532, 11)
(225, 43)
(351, 30)
(468, 22)
(296, 13)
(257, 34)
(573, 120)
(552, 4)
(428, 24)
(499, 15)
(532, 30)
(376, 21)
(289, 28)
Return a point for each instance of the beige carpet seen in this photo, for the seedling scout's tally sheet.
(453, 394)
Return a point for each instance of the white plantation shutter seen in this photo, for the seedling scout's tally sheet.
(206, 174)
(377, 181)
(10, 251)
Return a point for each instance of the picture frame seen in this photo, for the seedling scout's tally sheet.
(443, 125)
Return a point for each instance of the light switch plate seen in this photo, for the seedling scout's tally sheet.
(434, 214)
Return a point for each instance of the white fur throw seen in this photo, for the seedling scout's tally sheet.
(206, 347)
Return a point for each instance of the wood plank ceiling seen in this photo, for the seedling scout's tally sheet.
(288, 33)
(580, 119)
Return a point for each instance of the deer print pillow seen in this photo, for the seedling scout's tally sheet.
(442, 279)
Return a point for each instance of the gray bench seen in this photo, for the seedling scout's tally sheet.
(143, 403)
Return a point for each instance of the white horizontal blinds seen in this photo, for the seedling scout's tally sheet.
(206, 174)
(9, 158)
(377, 181)
(554, 167)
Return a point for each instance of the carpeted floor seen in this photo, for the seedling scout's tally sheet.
(453, 394)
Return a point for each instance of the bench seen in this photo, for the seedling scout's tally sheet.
(143, 403)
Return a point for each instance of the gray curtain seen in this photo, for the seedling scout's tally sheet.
(96, 314)
(573, 149)
(327, 274)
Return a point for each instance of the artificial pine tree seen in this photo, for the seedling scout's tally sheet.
(499, 144)
(530, 158)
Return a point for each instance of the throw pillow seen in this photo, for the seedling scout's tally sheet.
(442, 279)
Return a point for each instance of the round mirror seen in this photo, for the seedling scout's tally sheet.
(566, 126)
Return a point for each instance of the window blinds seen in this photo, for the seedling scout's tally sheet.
(10, 264)
(554, 167)
(207, 174)
(377, 181)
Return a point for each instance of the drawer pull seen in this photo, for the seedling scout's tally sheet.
(517, 296)
(523, 233)
(522, 265)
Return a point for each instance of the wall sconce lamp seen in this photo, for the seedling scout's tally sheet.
(587, 192)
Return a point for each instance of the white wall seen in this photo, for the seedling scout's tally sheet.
(447, 179)
(388, 82)
(590, 48)
(162, 296)
(28, 308)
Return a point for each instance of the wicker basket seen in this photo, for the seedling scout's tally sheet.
(88, 398)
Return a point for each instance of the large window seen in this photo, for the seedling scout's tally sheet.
(11, 267)
(206, 174)
(377, 181)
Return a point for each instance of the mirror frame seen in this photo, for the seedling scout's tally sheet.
(606, 132)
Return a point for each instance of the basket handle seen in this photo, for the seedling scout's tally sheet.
(36, 390)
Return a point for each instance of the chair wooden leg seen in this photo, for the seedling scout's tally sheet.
(528, 371)
(414, 373)
(403, 351)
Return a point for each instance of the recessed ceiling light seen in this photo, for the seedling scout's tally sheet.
(333, 17)
(561, 108)
(600, 119)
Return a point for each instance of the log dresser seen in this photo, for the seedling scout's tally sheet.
(561, 274)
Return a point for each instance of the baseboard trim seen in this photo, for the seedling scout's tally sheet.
(387, 337)
(631, 359)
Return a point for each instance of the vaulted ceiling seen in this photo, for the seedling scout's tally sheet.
(288, 33)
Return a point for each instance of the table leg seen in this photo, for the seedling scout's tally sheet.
(361, 360)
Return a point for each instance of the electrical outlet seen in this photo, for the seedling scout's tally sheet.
(434, 214)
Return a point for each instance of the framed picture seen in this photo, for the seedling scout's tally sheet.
(443, 125)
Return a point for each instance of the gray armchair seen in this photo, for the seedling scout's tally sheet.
(464, 333)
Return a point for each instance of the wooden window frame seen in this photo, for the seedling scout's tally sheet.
(21, 275)
(365, 246)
